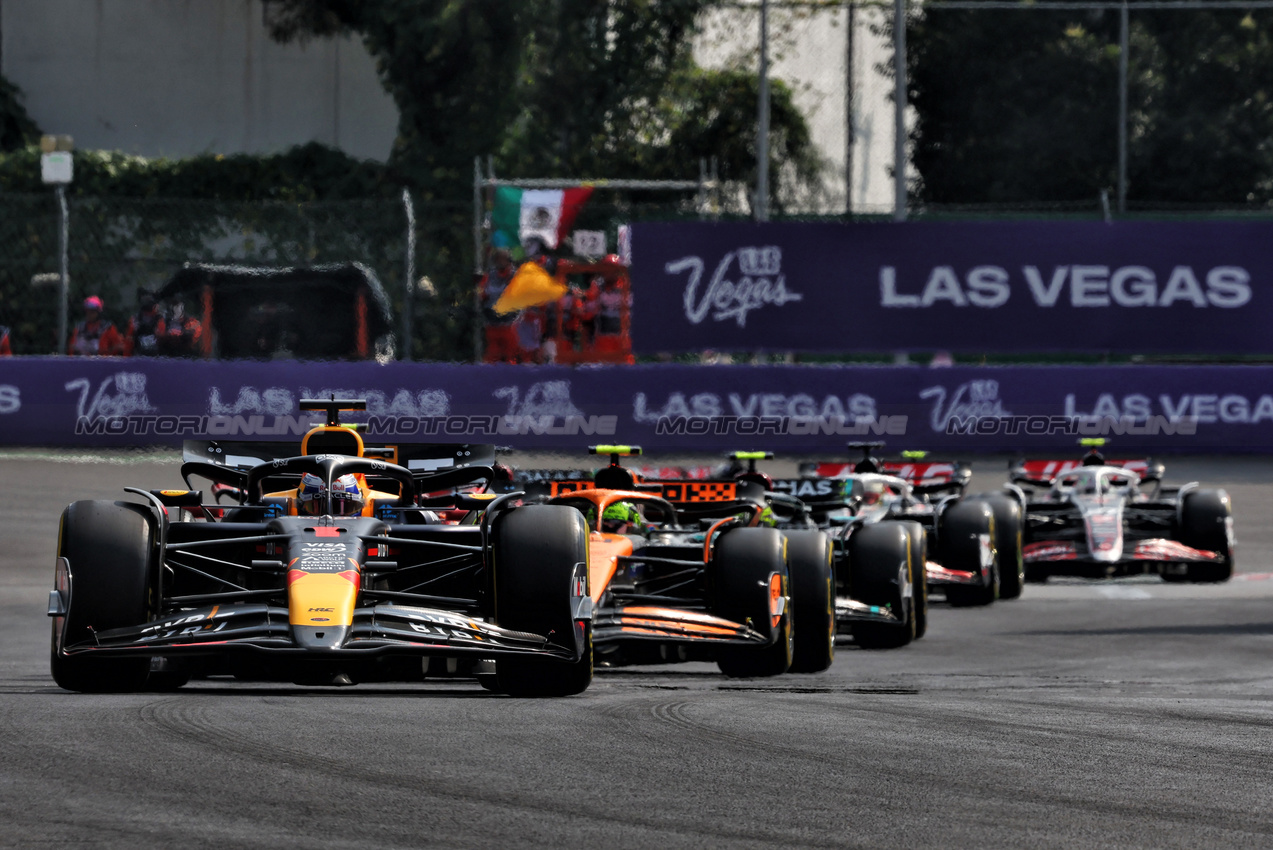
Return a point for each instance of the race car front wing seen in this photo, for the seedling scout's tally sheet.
(380, 629)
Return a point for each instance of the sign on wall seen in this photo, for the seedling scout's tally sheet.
(1010, 287)
(59, 401)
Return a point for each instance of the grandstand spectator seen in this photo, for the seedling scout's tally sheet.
(588, 306)
(183, 334)
(502, 344)
(5, 349)
(145, 329)
(530, 335)
(95, 335)
(567, 319)
(611, 303)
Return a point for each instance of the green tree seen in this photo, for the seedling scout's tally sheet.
(556, 88)
(16, 127)
(1021, 106)
(612, 90)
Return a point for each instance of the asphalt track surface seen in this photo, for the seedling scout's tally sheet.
(1127, 714)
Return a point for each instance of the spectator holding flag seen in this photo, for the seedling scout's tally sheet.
(502, 344)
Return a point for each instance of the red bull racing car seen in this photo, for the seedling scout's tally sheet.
(331, 567)
(1099, 518)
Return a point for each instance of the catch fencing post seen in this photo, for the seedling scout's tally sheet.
(408, 299)
(57, 169)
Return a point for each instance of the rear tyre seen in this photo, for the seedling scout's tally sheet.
(882, 574)
(535, 552)
(1009, 525)
(1206, 523)
(919, 576)
(964, 525)
(110, 549)
(743, 573)
(810, 561)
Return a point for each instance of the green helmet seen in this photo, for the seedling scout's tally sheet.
(622, 517)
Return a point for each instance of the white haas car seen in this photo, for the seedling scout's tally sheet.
(1099, 519)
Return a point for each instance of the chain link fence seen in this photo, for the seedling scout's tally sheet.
(118, 246)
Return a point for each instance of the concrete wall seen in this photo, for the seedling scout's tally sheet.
(181, 77)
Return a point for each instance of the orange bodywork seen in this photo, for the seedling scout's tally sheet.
(604, 551)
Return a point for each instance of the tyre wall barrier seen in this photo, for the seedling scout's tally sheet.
(54, 401)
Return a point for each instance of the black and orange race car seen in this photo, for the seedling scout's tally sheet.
(879, 567)
(332, 567)
(694, 571)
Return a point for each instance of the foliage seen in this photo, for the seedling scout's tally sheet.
(311, 172)
(1022, 105)
(585, 112)
(17, 130)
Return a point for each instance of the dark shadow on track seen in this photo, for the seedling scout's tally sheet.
(1211, 629)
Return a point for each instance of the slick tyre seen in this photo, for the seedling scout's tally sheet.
(811, 565)
(535, 552)
(883, 574)
(963, 526)
(1008, 539)
(919, 575)
(751, 584)
(1206, 523)
(111, 564)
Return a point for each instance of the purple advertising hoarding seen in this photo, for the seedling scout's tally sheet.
(793, 409)
(1199, 287)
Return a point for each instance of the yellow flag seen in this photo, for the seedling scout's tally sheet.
(531, 286)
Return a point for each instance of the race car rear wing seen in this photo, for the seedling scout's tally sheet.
(925, 477)
(1043, 473)
(676, 492)
(419, 458)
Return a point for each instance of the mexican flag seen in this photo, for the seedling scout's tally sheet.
(546, 213)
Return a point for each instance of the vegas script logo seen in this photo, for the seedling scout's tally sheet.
(761, 284)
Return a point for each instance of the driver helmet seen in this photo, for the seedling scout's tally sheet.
(311, 495)
(622, 518)
(345, 497)
(867, 492)
(873, 494)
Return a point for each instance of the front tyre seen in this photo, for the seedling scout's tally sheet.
(967, 528)
(1207, 524)
(1009, 531)
(536, 554)
(919, 575)
(883, 574)
(751, 584)
(111, 564)
(810, 560)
